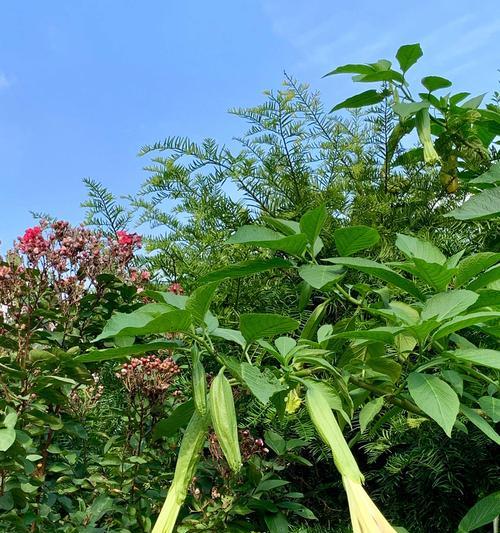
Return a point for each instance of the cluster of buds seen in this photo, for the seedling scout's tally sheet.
(84, 399)
(176, 288)
(149, 377)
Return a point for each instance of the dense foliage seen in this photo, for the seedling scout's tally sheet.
(323, 290)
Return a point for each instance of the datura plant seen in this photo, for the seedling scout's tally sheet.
(420, 339)
(455, 132)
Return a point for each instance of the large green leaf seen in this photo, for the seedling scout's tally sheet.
(245, 268)
(482, 513)
(464, 321)
(480, 423)
(491, 176)
(436, 275)
(420, 249)
(262, 385)
(436, 398)
(478, 356)
(268, 238)
(484, 279)
(179, 418)
(95, 356)
(366, 98)
(199, 301)
(352, 69)
(318, 276)
(408, 55)
(232, 335)
(312, 222)
(481, 206)
(140, 323)
(446, 305)
(354, 239)
(407, 109)
(491, 406)
(7, 438)
(474, 264)
(255, 326)
(380, 271)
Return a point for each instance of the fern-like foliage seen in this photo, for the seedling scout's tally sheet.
(102, 209)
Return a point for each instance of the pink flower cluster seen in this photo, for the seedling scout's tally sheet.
(149, 377)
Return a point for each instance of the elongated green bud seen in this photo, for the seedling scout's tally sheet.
(199, 382)
(191, 446)
(365, 516)
(423, 123)
(223, 416)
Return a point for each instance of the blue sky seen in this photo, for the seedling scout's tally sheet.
(84, 84)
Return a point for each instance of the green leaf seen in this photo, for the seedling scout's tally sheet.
(366, 98)
(433, 83)
(318, 276)
(381, 75)
(474, 102)
(381, 334)
(232, 335)
(436, 398)
(478, 356)
(200, 300)
(480, 423)
(380, 271)
(491, 406)
(287, 227)
(7, 438)
(95, 356)
(245, 268)
(351, 69)
(255, 326)
(436, 275)
(474, 264)
(484, 279)
(369, 412)
(407, 109)
(408, 55)
(482, 513)
(417, 248)
(140, 322)
(464, 321)
(313, 322)
(484, 205)
(179, 418)
(354, 239)
(491, 176)
(268, 238)
(276, 523)
(312, 222)
(262, 385)
(446, 305)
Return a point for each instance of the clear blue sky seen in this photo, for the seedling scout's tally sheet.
(85, 83)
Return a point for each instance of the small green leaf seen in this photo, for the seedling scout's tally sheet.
(179, 418)
(436, 398)
(408, 55)
(464, 321)
(109, 354)
(267, 238)
(433, 83)
(419, 249)
(354, 239)
(351, 69)
(369, 412)
(478, 356)
(232, 335)
(366, 98)
(7, 438)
